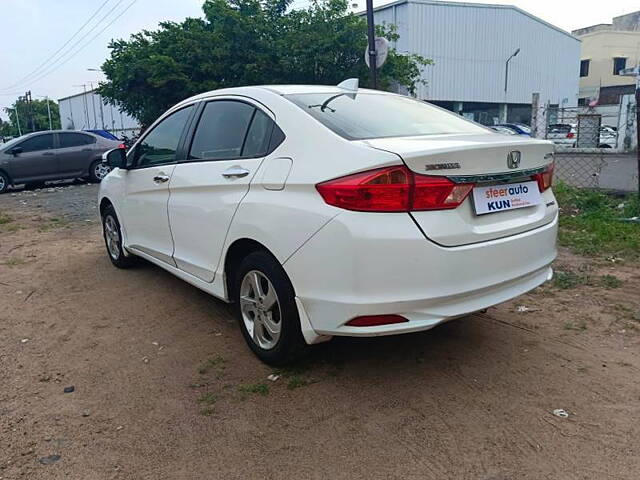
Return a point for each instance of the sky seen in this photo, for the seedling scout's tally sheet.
(33, 54)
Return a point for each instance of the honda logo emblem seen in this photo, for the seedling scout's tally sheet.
(513, 159)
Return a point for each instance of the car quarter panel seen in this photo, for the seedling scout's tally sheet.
(284, 219)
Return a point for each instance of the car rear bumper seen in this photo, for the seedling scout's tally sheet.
(372, 264)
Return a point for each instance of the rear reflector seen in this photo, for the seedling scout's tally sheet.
(375, 320)
(545, 179)
(393, 189)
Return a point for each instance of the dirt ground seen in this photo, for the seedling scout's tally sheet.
(165, 388)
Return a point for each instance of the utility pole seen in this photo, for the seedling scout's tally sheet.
(635, 72)
(638, 125)
(371, 37)
(93, 106)
(101, 111)
(18, 118)
(84, 104)
(49, 113)
(30, 119)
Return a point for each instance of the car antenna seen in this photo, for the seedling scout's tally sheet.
(349, 84)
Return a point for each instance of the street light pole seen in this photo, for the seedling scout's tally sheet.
(371, 37)
(506, 69)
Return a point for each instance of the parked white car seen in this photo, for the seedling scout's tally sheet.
(563, 134)
(323, 211)
(608, 137)
(566, 134)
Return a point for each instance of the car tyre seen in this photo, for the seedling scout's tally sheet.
(266, 309)
(4, 182)
(98, 170)
(112, 235)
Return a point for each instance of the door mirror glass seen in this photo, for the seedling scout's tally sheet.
(115, 158)
(15, 150)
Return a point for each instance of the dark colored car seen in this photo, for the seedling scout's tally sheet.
(53, 155)
(104, 133)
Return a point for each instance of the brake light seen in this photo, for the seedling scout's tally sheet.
(545, 179)
(438, 193)
(122, 145)
(570, 135)
(393, 189)
(375, 320)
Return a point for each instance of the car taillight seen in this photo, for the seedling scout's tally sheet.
(544, 179)
(570, 135)
(122, 145)
(438, 193)
(393, 189)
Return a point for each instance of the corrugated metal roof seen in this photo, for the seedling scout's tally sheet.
(470, 43)
(473, 5)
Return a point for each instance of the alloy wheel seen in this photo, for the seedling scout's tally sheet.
(260, 309)
(101, 170)
(3, 183)
(112, 237)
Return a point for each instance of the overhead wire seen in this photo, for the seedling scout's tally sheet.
(48, 59)
(83, 46)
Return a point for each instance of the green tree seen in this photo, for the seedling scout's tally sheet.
(32, 116)
(246, 42)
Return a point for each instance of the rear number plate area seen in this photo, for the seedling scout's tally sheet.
(497, 198)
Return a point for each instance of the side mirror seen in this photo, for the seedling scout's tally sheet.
(15, 150)
(115, 158)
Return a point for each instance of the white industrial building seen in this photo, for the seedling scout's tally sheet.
(89, 111)
(470, 44)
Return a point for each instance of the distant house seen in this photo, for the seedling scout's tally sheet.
(607, 49)
(470, 44)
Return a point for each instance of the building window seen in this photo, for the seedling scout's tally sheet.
(619, 63)
(582, 102)
(584, 68)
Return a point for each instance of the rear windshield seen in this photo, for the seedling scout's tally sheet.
(369, 115)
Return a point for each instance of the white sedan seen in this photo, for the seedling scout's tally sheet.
(323, 211)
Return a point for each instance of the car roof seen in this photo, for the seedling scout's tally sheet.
(40, 132)
(277, 89)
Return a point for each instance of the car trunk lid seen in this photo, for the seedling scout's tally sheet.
(484, 161)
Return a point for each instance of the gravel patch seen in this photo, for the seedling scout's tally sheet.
(69, 201)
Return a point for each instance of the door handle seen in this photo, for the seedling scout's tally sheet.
(161, 178)
(235, 172)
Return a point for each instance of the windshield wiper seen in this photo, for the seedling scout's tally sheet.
(325, 105)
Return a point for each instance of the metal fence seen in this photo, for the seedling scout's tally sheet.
(595, 147)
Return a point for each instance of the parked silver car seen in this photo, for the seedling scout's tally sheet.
(53, 155)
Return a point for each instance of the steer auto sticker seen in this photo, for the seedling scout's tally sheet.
(506, 197)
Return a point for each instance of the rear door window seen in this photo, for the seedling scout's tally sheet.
(75, 140)
(257, 141)
(35, 144)
(222, 130)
